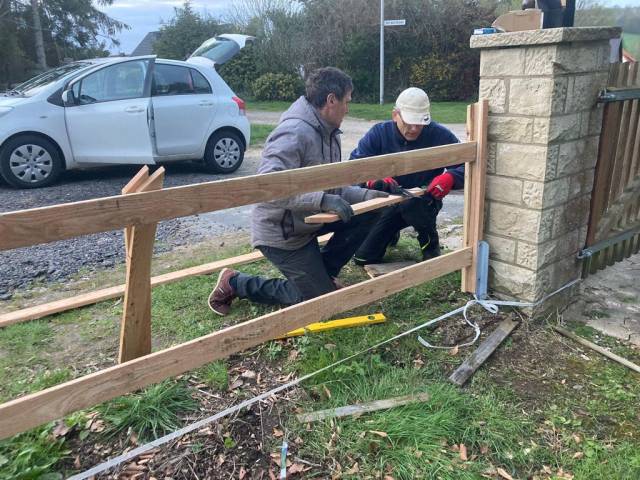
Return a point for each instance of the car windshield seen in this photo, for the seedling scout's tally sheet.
(34, 85)
(218, 49)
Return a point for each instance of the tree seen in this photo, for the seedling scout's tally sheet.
(185, 32)
(68, 29)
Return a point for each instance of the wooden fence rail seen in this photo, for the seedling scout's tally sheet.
(139, 212)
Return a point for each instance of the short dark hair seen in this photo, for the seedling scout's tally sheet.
(324, 81)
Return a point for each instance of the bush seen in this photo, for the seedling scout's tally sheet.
(241, 71)
(451, 77)
(277, 86)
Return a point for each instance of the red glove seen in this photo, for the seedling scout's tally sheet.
(441, 185)
(386, 185)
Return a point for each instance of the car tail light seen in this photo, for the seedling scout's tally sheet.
(241, 105)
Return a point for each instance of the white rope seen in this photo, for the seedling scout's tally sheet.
(490, 305)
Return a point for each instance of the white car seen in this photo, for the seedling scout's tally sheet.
(124, 110)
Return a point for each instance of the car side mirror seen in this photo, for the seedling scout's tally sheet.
(68, 98)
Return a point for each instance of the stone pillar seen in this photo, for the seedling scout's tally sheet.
(543, 133)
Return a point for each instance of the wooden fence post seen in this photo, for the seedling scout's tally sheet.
(474, 182)
(135, 328)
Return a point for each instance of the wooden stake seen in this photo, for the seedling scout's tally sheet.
(474, 188)
(484, 351)
(135, 329)
(598, 348)
(361, 408)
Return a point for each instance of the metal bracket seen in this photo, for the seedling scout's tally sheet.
(593, 249)
(618, 95)
(482, 270)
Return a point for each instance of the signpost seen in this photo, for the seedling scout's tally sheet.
(385, 23)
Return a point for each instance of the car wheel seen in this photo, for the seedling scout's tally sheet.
(30, 161)
(224, 153)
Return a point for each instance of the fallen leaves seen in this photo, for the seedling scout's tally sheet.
(503, 473)
(463, 452)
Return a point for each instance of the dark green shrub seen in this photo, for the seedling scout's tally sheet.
(277, 86)
(450, 77)
(241, 71)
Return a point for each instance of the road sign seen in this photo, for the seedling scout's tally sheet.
(392, 23)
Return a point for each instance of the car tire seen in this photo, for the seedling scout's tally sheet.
(224, 152)
(30, 161)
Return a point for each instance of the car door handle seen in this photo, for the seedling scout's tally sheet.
(205, 103)
(134, 109)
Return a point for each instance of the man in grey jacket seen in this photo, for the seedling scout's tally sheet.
(307, 135)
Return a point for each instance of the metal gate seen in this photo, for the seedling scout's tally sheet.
(614, 224)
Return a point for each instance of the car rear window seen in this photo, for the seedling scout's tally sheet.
(200, 84)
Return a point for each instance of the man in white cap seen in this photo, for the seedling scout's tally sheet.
(411, 128)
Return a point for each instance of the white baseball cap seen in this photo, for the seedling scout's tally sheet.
(414, 106)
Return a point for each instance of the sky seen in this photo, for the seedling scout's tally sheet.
(145, 16)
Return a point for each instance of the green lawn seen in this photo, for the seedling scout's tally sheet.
(539, 408)
(442, 112)
(260, 132)
(631, 43)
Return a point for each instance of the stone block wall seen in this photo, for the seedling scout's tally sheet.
(543, 133)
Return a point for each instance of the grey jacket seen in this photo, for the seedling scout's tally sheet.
(301, 139)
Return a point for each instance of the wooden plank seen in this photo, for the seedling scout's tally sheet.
(629, 124)
(476, 226)
(376, 269)
(46, 309)
(135, 327)
(484, 350)
(363, 207)
(598, 348)
(629, 197)
(57, 222)
(133, 186)
(360, 408)
(468, 210)
(603, 171)
(623, 127)
(32, 410)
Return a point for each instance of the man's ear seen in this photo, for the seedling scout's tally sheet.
(331, 98)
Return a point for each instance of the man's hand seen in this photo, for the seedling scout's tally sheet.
(441, 185)
(336, 204)
(385, 185)
(370, 194)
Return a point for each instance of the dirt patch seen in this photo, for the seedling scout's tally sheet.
(244, 445)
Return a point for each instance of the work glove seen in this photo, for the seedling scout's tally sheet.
(385, 185)
(336, 204)
(441, 185)
(369, 194)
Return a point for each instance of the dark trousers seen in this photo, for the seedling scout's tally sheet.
(308, 270)
(419, 213)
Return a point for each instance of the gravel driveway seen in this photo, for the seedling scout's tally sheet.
(59, 260)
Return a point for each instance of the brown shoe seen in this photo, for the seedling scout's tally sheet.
(223, 293)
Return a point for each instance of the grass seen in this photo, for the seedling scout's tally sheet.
(31, 455)
(580, 416)
(260, 132)
(442, 112)
(631, 43)
(151, 413)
